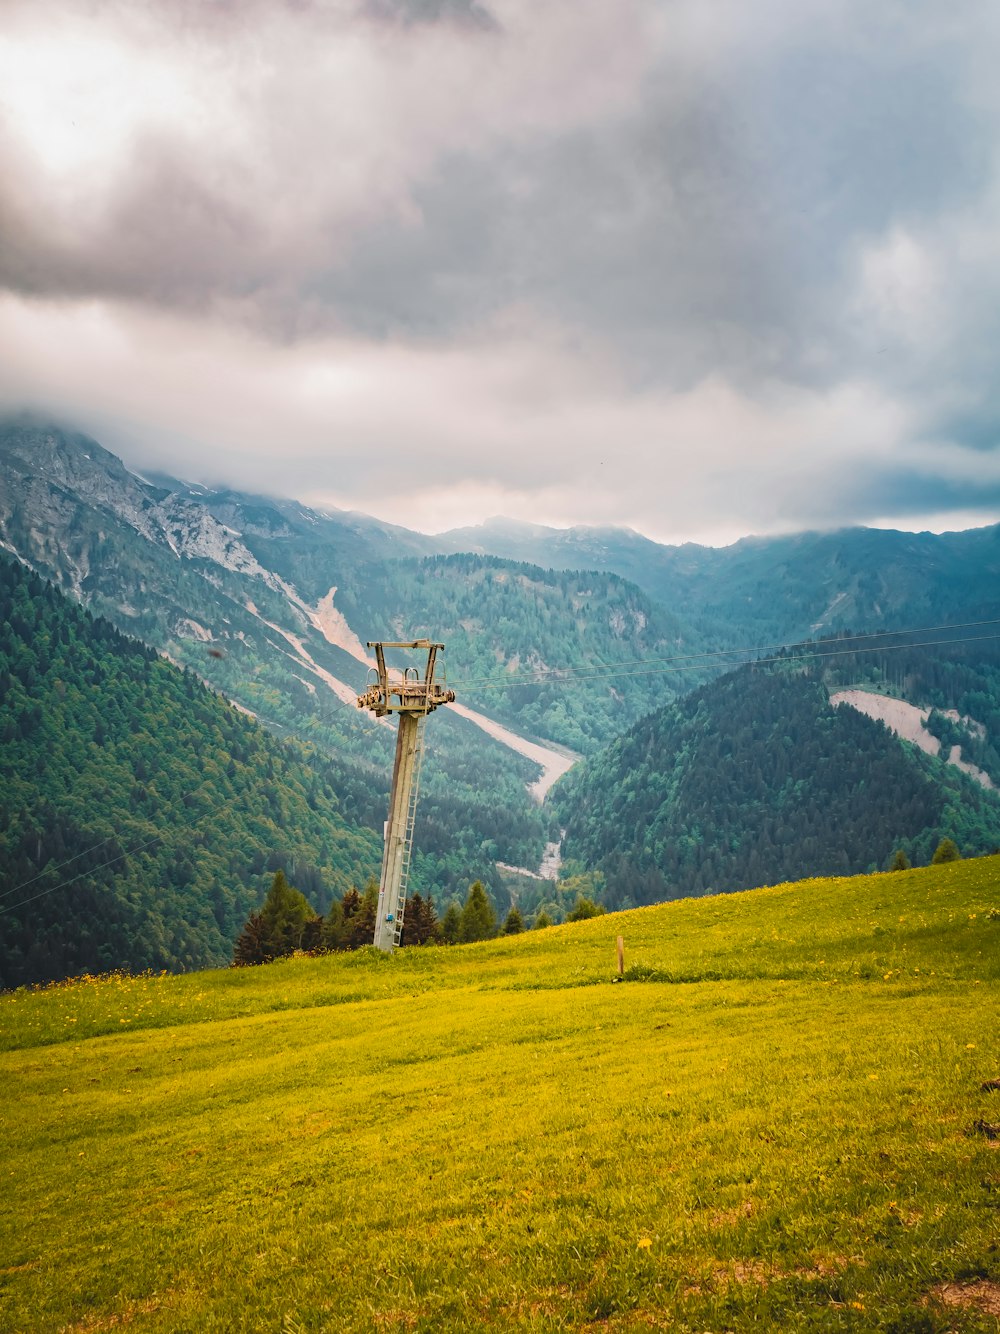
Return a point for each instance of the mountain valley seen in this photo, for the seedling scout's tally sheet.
(561, 645)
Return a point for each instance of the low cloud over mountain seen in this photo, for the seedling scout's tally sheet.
(701, 269)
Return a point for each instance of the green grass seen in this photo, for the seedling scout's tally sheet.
(769, 1125)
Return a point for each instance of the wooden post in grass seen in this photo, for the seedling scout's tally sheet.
(621, 956)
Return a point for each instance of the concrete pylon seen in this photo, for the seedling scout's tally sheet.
(413, 697)
(399, 833)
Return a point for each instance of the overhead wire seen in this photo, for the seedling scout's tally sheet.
(58, 867)
(11, 907)
(612, 674)
(693, 661)
(47, 870)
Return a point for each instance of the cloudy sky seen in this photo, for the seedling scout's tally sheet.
(703, 267)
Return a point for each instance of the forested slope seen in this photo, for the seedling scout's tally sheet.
(964, 679)
(110, 750)
(755, 779)
(504, 621)
(779, 588)
(187, 571)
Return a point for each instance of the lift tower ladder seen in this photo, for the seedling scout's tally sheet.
(413, 697)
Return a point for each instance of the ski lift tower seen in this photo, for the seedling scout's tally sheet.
(391, 690)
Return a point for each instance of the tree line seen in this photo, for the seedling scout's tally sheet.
(287, 923)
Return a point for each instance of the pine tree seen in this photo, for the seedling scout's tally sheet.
(420, 923)
(900, 861)
(413, 910)
(585, 908)
(432, 927)
(312, 935)
(360, 928)
(451, 923)
(284, 917)
(542, 920)
(479, 921)
(946, 851)
(251, 947)
(332, 934)
(513, 922)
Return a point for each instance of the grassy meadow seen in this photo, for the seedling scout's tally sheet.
(776, 1122)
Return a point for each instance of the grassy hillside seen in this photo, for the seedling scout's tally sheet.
(776, 1122)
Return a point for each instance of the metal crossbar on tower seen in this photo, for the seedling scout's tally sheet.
(413, 697)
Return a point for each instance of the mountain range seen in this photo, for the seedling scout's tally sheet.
(776, 588)
(558, 642)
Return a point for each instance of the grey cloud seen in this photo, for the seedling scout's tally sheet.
(169, 239)
(830, 495)
(753, 203)
(711, 228)
(431, 11)
(221, 13)
(977, 427)
(715, 228)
